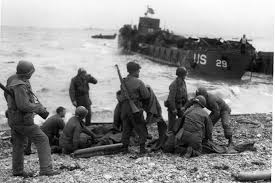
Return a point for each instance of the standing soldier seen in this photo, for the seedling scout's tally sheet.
(219, 110)
(177, 97)
(137, 92)
(79, 92)
(21, 109)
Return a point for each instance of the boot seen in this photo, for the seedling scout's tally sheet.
(142, 149)
(24, 174)
(125, 149)
(188, 153)
(50, 173)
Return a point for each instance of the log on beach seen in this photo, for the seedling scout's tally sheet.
(98, 150)
(253, 176)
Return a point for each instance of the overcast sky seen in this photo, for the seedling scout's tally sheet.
(203, 17)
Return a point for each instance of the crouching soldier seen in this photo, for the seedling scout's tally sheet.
(69, 140)
(196, 127)
(52, 126)
(177, 97)
(219, 110)
(21, 109)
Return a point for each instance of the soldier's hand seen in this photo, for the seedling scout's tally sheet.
(74, 103)
(182, 109)
(175, 111)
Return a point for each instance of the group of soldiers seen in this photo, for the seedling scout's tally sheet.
(195, 124)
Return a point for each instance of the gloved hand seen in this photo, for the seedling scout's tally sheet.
(175, 112)
(74, 103)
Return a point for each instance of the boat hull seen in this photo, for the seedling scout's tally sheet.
(216, 63)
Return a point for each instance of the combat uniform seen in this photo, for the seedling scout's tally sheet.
(137, 92)
(79, 92)
(69, 139)
(219, 110)
(21, 111)
(51, 128)
(176, 99)
(196, 127)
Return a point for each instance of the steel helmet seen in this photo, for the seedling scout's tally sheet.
(200, 100)
(81, 112)
(181, 71)
(24, 68)
(81, 70)
(132, 67)
(201, 91)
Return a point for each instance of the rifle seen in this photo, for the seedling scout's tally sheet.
(125, 91)
(44, 115)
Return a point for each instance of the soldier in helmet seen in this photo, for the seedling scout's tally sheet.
(177, 97)
(21, 109)
(79, 92)
(138, 93)
(69, 140)
(219, 110)
(197, 127)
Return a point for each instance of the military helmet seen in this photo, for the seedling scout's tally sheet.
(201, 91)
(181, 71)
(200, 100)
(81, 70)
(81, 112)
(132, 66)
(24, 68)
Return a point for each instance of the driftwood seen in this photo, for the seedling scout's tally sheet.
(253, 176)
(98, 150)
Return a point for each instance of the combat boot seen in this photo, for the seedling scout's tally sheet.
(188, 153)
(125, 149)
(24, 174)
(142, 149)
(49, 173)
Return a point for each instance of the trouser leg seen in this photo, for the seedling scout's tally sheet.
(226, 125)
(162, 127)
(27, 146)
(41, 141)
(17, 152)
(89, 116)
(171, 120)
(127, 130)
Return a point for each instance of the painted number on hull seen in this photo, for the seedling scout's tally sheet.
(200, 59)
(221, 63)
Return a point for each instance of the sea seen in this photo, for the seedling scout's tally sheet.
(58, 53)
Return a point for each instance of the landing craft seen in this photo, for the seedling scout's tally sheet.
(216, 58)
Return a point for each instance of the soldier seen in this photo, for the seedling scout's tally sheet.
(69, 140)
(79, 92)
(219, 110)
(21, 109)
(177, 97)
(137, 92)
(53, 124)
(197, 127)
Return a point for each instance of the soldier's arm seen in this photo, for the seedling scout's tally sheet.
(144, 92)
(22, 100)
(88, 132)
(76, 137)
(215, 109)
(72, 91)
(91, 79)
(61, 124)
(208, 128)
(172, 97)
